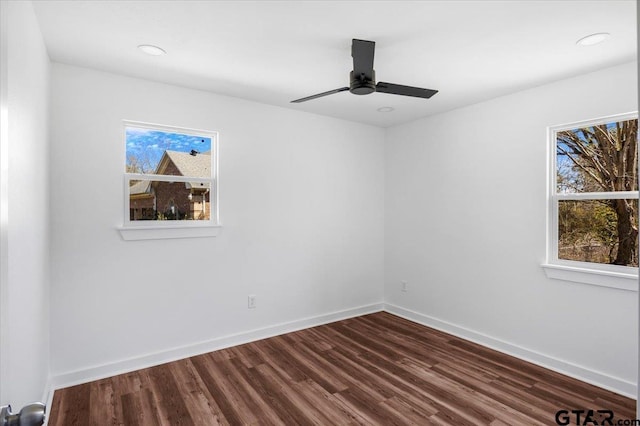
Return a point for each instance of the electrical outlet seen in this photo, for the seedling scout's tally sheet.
(251, 301)
(403, 286)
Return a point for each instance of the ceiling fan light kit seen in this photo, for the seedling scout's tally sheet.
(362, 80)
(593, 39)
(152, 50)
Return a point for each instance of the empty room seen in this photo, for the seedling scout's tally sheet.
(318, 212)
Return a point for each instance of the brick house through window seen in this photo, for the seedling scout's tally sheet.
(159, 200)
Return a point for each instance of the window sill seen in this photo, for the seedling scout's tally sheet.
(137, 233)
(618, 280)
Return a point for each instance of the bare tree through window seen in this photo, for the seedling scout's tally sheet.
(596, 172)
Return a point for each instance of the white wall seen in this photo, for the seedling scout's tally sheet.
(301, 201)
(465, 227)
(25, 210)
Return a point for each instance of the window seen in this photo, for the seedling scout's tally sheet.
(593, 202)
(170, 178)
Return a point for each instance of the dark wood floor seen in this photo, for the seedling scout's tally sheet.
(374, 369)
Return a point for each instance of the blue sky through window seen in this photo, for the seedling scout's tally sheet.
(144, 147)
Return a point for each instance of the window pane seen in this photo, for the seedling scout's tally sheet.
(598, 231)
(599, 158)
(166, 153)
(158, 200)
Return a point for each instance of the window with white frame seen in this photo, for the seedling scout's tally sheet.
(170, 176)
(593, 202)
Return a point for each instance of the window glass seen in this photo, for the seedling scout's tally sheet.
(598, 158)
(159, 152)
(170, 175)
(594, 197)
(590, 231)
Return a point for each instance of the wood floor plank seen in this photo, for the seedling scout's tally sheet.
(312, 370)
(264, 411)
(326, 403)
(172, 406)
(623, 406)
(377, 369)
(277, 357)
(139, 408)
(55, 410)
(376, 410)
(378, 377)
(228, 412)
(226, 395)
(495, 394)
(279, 396)
(246, 354)
(411, 414)
(356, 373)
(73, 407)
(445, 401)
(105, 407)
(132, 411)
(199, 402)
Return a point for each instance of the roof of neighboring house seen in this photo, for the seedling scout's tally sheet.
(141, 187)
(198, 165)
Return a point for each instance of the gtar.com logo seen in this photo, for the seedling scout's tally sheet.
(584, 417)
(592, 418)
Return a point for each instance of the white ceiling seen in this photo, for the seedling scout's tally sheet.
(276, 51)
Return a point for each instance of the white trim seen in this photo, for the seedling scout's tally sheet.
(97, 372)
(168, 178)
(595, 121)
(602, 278)
(612, 276)
(617, 195)
(157, 229)
(584, 374)
(186, 230)
(169, 128)
(4, 210)
(47, 398)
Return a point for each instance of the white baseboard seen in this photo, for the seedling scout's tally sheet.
(596, 378)
(85, 375)
(47, 398)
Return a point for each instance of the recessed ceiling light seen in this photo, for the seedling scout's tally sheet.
(592, 39)
(151, 50)
(385, 109)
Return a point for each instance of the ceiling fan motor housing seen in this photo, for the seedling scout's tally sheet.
(360, 85)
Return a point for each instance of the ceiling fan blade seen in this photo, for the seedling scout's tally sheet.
(362, 52)
(319, 95)
(398, 89)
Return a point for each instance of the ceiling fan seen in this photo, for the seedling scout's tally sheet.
(363, 77)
